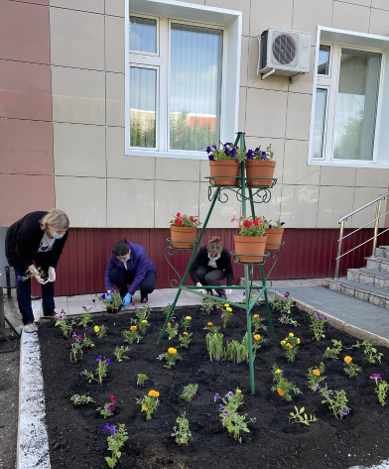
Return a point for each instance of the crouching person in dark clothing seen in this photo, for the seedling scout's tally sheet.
(212, 264)
(130, 264)
(37, 238)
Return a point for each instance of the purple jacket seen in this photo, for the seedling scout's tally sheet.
(139, 264)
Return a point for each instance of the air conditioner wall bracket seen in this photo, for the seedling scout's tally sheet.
(267, 74)
(294, 78)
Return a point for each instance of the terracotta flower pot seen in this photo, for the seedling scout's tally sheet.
(258, 169)
(274, 238)
(182, 234)
(250, 245)
(224, 168)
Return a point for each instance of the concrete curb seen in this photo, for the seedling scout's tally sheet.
(32, 445)
(338, 323)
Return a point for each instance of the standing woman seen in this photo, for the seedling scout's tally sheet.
(212, 264)
(37, 238)
(130, 264)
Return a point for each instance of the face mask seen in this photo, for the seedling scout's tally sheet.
(56, 235)
(127, 258)
(213, 258)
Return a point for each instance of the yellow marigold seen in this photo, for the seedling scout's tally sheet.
(210, 324)
(229, 309)
(133, 328)
(316, 372)
(238, 391)
(283, 342)
(280, 392)
(289, 345)
(291, 334)
(153, 393)
(144, 407)
(144, 320)
(328, 348)
(185, 333)
(348, 359)
(169, 324)
(172, 350)
(298, 341)
(257, 337)
(96, 328)
(226, 305)
(188, 318)
(256, 316)
(278, 371)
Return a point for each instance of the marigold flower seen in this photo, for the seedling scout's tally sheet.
(226, 305)
(184, 333)
(316, 372)
(348, 359)
(172, 350)
(328, 348)
(169, 324)
(283, 342)
(188, 318)
(238, 391)
(153, 393)
(144, 407)
(256, 316)
(278, 371)
(144, 320)
(291, 334)
(280, 392)
(298, 341)
(289, 345)
(229, 309)
(96, 328)
(133, 328)
(210, 324)
(257, 337)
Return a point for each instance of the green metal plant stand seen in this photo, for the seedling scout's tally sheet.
(245, 194)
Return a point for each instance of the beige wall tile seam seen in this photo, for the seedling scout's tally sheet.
(74, 9)
(21, 119)
(100, 70)
(5, 59)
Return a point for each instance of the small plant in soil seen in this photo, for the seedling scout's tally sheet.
(371, 353)
(211, 327)
(186, 323)
(131, 335)
(86, 317)
(66, 325)
(81, 343)
(381, 389)
(337, 402)
(143, 325)
(253, 294)
(333, 352)
(171, 356)
(120, 351)
(171, 330)
(141, 379)
(81, 399)
(301, 417)
(214, 345)
(189, 392)
(226, 314)
(290, 344)
(166, 310)
(143, 312)
(234, 422)
(115, 441)
(149, 403)
(257, 323)
(207, 305)
(257, 342)
(181, 431)
(318, 321)
(185, 339)
(351, 369)
(109, 408)
(315, 376)
(101, 331)
(113, 304)
(235, 352)
(285, 308)
(101, 370)
(282, 386)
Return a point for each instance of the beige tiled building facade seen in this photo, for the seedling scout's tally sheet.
(64, 111)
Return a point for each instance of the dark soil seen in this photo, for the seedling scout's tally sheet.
(76, 434)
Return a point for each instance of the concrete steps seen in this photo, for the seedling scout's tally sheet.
(370, 284)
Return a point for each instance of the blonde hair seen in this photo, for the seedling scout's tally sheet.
(55, 218)
(214, 246)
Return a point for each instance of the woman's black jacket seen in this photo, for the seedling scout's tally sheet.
(23, 239)
(202, 259)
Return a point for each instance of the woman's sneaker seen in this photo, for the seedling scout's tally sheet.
(29, 328)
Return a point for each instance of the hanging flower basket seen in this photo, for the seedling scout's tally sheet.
(260, 164)
(183, 230)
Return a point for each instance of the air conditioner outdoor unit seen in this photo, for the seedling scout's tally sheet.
(283, 52)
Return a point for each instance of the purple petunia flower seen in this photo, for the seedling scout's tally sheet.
(287, 294)
(216, 398)
(229, 394)
(316, 388)
(109, 361)
(264, 155)
(221, 407)
(294, 303)
(84, 307)
(345, 411)
(106, 427)
(209, 150)
(111, 408)
(62, 311)
(254, 419)
(94, 301)
(376, 377)
(325, 318)
(80, 374)
(59, 316)
(219, 310)
(102, 296)
(211, 157)
(113, 431)
(98, 358)
(20, 278)
(282, 223)
(282, 319)
(132, 304)
(249, 154)
(226, 413)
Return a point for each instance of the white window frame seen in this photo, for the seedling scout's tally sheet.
(338, 39)
(198, 15)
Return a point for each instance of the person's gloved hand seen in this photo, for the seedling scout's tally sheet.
(40, 280)
(198, 284)
(52, 274)
(127, 300)
(109, 297)
(227, 292)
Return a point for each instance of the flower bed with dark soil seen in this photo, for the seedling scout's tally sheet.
(76, 435)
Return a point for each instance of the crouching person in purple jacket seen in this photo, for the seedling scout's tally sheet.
(130, 264)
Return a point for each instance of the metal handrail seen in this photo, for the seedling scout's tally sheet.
(375, 232)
